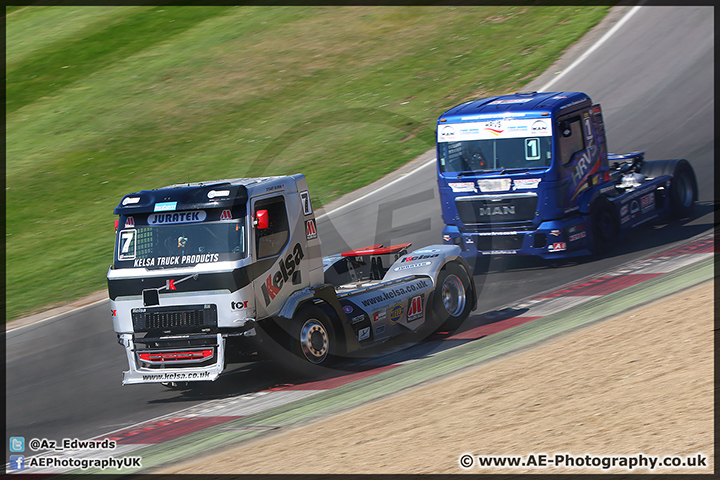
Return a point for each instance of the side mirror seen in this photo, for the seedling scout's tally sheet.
(262, 220)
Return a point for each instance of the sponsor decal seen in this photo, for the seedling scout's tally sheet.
(310, 229)
(396, 313)
(494, 184)
(176, 260)
(625, 219)
(226, 215)
(347, 309)
(379, 315)
(114, 313)
(380, 329)
(415, 308)
(555, 233)
(494, 128)
(408, 267)
(129, 222)
(275, 187)
(509, 101)
(415, 257)
(306, 203)
(647, 202)
(165, 207)
(583, 169)
(462, 187)
(540, 128)
(447, 133)
(577, 236)
(624, 211)
(357, 319)
(522, 183)
(363, 334)
(499, 252)
(634, 207)
(179, 217)
(238, 305)
(557, 247)
(576, 102)
(426, 250)
(170, 285)
(275, 282)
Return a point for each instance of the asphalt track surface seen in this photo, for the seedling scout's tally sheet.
(654, 78)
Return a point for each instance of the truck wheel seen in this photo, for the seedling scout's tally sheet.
(605, 227)
(683, 187)
(450, 299)
(314, 340)
(683, 191)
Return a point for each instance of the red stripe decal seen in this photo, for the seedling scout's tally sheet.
(336, 381)
(613, 284)
(485, 330)
(168, 429)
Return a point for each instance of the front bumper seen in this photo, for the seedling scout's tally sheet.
(176, 370)
(551, 240)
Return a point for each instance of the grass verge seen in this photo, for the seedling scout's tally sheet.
(109, 100)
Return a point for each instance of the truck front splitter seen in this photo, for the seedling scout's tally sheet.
(179, 372)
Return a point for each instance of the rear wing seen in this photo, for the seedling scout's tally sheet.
(378, 250)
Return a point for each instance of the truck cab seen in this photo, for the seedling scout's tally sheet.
(530, 174)
(195, 265)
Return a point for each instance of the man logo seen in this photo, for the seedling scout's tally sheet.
(226, 215)
(310, 229)
(129, 222)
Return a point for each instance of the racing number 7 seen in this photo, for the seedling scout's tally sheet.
(307, 206)
(126, 240)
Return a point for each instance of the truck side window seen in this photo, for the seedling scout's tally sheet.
(571, 139)
(273, 239)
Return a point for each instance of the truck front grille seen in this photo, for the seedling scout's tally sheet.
(499, 242)
(496, 209)
(174, 318)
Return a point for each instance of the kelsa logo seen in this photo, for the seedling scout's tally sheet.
(274, 282)
(412, 258)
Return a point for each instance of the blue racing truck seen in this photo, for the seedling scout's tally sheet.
(530, 174)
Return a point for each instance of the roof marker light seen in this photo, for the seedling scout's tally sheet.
(130, 200)
(218, 193)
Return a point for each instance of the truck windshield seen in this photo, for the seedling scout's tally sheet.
(179, 245)
(495, 154)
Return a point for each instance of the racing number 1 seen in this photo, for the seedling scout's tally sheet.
(532, 148)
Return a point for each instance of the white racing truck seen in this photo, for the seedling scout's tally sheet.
(206, 274)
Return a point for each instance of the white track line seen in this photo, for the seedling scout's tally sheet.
(582, 57)
(402, 177)
(590, 50)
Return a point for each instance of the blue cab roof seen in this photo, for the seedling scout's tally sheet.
(529, 105)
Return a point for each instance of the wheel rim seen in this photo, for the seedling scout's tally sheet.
(684, 190)
(314, 341)
(453, 295)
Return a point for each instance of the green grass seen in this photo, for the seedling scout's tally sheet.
(102, 101)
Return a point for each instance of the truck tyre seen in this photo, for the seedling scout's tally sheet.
(451, 304)
(683, 186)
(683, 190)
(605, 226)
(314, 338)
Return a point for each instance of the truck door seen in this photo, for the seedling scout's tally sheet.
(579, 154)
(270, 239)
